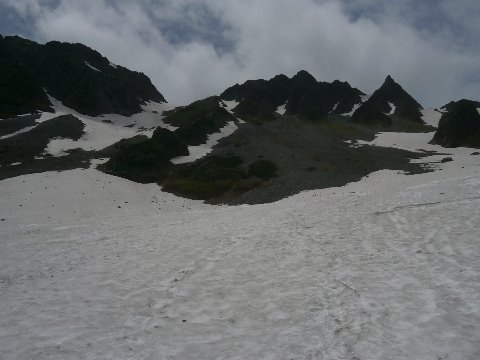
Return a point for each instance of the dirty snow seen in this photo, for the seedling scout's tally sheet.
(419, 142)
(392, 108)
(113, 65)
(98, 267)
(199, 151)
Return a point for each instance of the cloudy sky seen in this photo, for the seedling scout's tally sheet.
(195, 48)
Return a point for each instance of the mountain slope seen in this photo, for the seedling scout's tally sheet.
(280, 149)
(74, 74)
(149, 160)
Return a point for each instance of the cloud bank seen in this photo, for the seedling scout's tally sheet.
(196, 48)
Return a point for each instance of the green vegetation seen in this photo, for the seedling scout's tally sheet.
(207, 178)
(147, 160)
(199, 119)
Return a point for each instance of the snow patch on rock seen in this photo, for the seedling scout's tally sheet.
(24, 130)
(334, 107)
(199, 151)
(282, 109)
(363, 98)
(229, 105)
(91, 66)
(355, 108)
(392, 108)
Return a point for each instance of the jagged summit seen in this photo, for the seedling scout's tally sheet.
(304, 96)
(389, 101)
(300, 95)
(78, 76)
(304, 77)
(389, 80)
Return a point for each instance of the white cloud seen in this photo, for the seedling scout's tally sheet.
(268, 37)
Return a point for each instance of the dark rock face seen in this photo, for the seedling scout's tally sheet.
(258, 98)
(302, 94)
(26, 146)
(376, 108)
(199, 119)
(460, 126)
(453, 104)
(19, 92)
(78, 76)
(446, 159)
(12, 125)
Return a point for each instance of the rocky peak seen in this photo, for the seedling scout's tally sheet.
(459, 126)
(81, 78)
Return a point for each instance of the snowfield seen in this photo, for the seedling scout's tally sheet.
(97, 267)
(105, 130)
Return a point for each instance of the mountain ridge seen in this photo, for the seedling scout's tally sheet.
(285, 134)
(301, 95)
(78, 76)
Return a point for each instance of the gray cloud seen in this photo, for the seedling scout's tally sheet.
(195, 48)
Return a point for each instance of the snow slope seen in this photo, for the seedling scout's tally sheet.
(104, 130)
(431, 116)
(97, 267)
